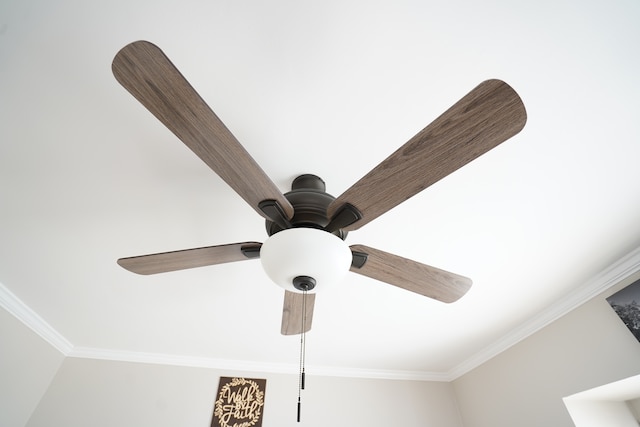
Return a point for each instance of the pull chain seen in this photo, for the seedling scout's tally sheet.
(303, 349)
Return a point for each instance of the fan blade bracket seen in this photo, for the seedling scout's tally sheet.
(251, 251)
(346, 215)
(359, 259)
(274, 211)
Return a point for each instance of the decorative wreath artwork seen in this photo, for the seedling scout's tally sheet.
(239, 402)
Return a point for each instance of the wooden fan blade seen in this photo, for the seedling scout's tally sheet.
(487, 116)
(191, 258)
(292, 313)
(144, 70)
(410, 275)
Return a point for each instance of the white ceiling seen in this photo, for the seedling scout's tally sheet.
(87, 175)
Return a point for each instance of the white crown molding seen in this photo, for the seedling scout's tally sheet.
(33, 321)
(609, 277)
(180, 360)
(249, 366)
(42, 328)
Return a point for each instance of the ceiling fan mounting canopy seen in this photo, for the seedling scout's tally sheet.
(487, 116)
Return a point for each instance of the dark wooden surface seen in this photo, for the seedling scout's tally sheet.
(411, 275)
(144, 70)
(292, 313)
(487, 116)
(239, 402)
(188, 258)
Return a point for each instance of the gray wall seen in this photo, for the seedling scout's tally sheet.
(27, 366)
(101, 393)
(524, 385)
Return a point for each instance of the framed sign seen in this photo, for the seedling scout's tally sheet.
(626, 304)
(239, 402)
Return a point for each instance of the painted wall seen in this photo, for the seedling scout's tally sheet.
(103, 393)
(27, 365)
(524, 385)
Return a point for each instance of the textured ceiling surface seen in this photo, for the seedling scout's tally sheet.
(87, 175)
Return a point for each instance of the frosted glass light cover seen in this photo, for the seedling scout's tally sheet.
(305, 252)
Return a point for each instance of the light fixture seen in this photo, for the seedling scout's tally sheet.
(305, 259)
(301, 256)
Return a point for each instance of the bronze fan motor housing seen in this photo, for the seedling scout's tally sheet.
(310, 202)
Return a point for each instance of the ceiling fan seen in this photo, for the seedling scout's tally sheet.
(485, 117)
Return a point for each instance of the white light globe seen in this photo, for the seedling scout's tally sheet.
(305, 252)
